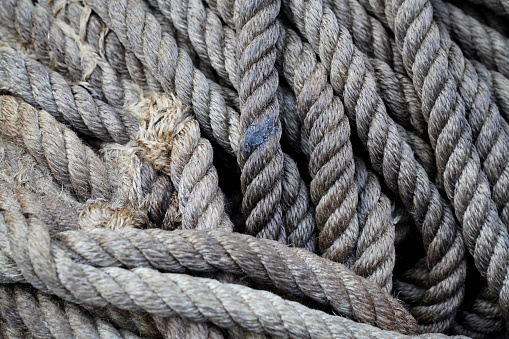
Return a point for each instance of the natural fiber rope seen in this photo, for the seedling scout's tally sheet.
(482, 319)
(66, 52)
(172, 66)
(390, 156)
(333, 189)
(72, 163)
(300, 224)
(297, 216)
(490, 255)
(52, 258)
(476, 40)
(74, 104)
(45, 316)
(260, 156)
(171, 140)
(498, 85)
(490, 144)
(264, 262)
(204, 28)
(501, 7)
(142, 188)
(484, 15)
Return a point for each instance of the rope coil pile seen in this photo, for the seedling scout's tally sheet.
(254, 168)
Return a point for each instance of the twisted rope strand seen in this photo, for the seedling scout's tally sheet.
(482, 319)
(141, 33)
(265, 262)
(261, 157)
(45, 316)
(66, 52)
(501, 7)
(391, 156)
(190, 19)
(28, 79)
(72, 163)
(336, 242)
(171, 140)
(451, 136)
(490, 144)
(477, 41)
(377, 307)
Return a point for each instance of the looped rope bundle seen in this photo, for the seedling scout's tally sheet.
(254, 168)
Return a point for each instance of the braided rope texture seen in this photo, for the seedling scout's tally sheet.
(254, 169)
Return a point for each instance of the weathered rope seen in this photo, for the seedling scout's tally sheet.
(390, 156)
(498, 84)
(264, 262)
(172, 66)
(52, 144)
(171, 140)
(142, 188)
(204, 28)
(487, 143)
(260, 155)
(66, 52)
(45, 316)
(28, 79)
(188, 19)
(501, 7)
(476, 40)
(481, 319)
(22, 230)
(451, 137)
(484, 15)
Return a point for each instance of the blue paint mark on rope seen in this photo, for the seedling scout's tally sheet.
(257, 134)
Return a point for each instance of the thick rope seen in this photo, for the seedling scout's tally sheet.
(170, 139)
(482, 319)
(390, 156)
(66, 52)
(42, 273)
(52, 144)
(204, 29)
(451, 137)
(484, 15)
(142, 188)
(189, 18)
(477, 41)
(141, 33)
(264, 262)
(73, 104)
(488, 144)
(501, 7)
(45, 316)
(260, 156)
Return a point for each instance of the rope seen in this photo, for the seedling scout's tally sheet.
(44, 316)
(204, 29)
(28, 79)
(260, 157)
(456, 146)
(499, 6)
(171, 140)
(482, 319)
(489, 144)
(264, 262)
(23, 230)
(477, 41)
(173, 67)
(72, 163)
(390, 156)
(142, 188)
(190, 20)
(66, 52)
